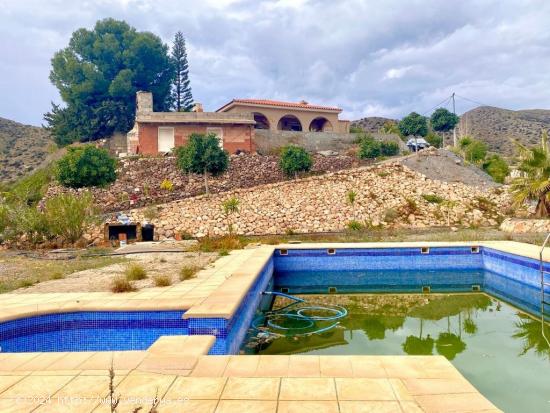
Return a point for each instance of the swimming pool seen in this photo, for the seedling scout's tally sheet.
(90, 331)
(340, 271)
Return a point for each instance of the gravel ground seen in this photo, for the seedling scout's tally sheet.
(99, 279)
(443, 165)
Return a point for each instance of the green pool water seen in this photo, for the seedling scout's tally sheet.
(499, 349)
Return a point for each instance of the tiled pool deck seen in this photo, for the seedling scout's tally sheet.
(178, 369)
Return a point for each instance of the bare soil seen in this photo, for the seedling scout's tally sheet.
(443, 165)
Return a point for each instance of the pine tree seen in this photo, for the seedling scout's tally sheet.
(181, 89)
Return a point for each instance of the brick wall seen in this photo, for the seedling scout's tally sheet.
(235, 137)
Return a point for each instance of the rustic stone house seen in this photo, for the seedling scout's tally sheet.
(289, 116)
(159, 132)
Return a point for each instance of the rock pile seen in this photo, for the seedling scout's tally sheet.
(522, 226)
(388, 195)
(139, 180)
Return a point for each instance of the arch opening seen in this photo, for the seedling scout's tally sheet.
(261, 121)
(289, 123)
(320, 124)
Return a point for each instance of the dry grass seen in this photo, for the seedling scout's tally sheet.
(17, 270)
(122, 285)
(135, 272)
(162, 280)
(188, 272)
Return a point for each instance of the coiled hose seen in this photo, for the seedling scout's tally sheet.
(297, 319)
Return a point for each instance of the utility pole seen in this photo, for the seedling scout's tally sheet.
(454, 112)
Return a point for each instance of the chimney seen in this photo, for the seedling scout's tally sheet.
(197, 107)
(144, 102)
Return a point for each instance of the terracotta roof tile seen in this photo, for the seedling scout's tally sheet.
(267, 102)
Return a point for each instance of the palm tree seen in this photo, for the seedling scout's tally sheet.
(534, 182)
(230, 206)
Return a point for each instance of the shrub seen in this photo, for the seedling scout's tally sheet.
(369, 148)
(26, 283)
(57, 275)
(151, 213)
(475, 152)
(434, 139)
(497, 167)
(167, 185)
(69, 215)
(294, 160)
(202, 155)
(31, 188)
(355, 129)
(354, 225)
(162, 280)
(135, 272)
(188, 272)
(389, 148)
(86, 166)
(390, 215)
(121, 285)
(410, 206)
(224, 253)
(29, 222)
(432, 198)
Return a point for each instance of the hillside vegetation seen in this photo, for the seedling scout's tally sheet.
(500, 127)
(22, 149)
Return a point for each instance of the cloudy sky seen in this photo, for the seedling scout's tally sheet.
(370, 57)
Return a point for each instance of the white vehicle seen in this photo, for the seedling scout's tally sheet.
(417, 144)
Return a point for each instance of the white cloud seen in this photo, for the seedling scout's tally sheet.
(367, 56)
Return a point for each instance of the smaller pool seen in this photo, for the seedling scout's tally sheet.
(90, 331)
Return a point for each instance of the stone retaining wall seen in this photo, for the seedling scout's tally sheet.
(388, 195)
(268, 141)
(522, 226)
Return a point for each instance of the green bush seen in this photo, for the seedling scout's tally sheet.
(202, 155)
(433, 199)
(31, 188)
(86, 166)
(369, 148)
(355, 129)
(389, 148)
(135, 272)
(354, 225)
(475, 152)
(434, 140)
(295, 160)
(497, 167)
(69, 215)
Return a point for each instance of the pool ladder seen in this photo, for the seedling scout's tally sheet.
(544, 276)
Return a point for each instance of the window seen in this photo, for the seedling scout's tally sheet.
(219, 134)
(165, 139)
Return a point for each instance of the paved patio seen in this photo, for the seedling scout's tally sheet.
(178, 370)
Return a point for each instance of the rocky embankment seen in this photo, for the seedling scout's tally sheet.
(388, 195)
(139, 179)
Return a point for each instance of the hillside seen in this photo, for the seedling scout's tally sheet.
(22, 148)
(499, 127)
(371, 124)
(387, 195)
